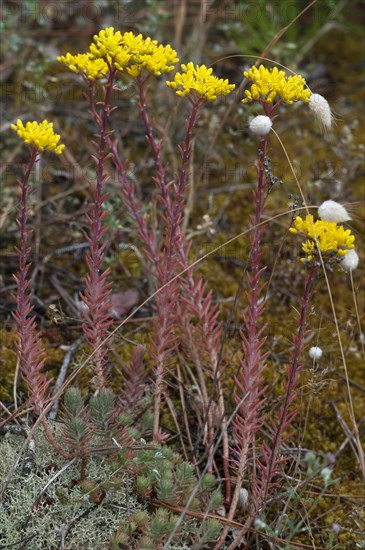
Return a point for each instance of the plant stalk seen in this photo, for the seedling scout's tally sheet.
(29, 347)
(97, 293)
(250, 381)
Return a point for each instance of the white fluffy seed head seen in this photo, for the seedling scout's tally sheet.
(332, 211)
(260, 125)
(350, 261)
(320, 108)
(315, 352)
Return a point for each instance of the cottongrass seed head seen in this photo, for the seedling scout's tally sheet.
(315, 353)
(320, 108)
(260, 125)
(332, 211)
(350, 261)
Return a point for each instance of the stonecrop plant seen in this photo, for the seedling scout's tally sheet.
(40, 138)
(234, 468)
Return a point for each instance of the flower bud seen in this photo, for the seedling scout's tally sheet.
(243, 500)
(332, 211)
(260, 524)
(326, 474)
(260, 125)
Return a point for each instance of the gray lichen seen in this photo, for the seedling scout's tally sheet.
(65, 512)
(49, 507)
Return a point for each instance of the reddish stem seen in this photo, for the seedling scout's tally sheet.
(174, 212)
(29, 347)
(286, 418)
(128, 187)
(24, 250)
(98, 290)
(208, 333)
(154, 144)
(166, 265)
(250, 381)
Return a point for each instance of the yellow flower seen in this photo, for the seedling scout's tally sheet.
(40, 136)
(268, 84)
(328, 237)
(161, 59)
(127, 51)
(137, 45)
(133, 52)
(200, 81)
(84, 63)
(107, 44)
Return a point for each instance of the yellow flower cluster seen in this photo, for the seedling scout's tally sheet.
(272, 83)
(40, 136)
(199, 80)
(107, 44)
(162, 59)
(127, 51)
(84, 63)
(327, 236)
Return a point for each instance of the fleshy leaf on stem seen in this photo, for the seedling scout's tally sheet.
(97, 294)
(77, 431)
(29, 345)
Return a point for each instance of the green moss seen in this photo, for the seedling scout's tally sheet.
(8, 360)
